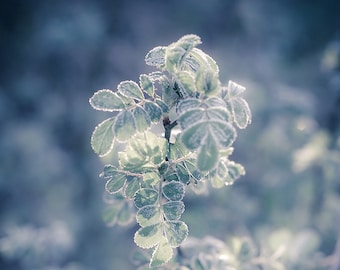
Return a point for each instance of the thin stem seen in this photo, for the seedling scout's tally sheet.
(168, 126)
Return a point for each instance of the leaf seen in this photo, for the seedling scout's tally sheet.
(124, 126)
(103, 137)
(173, 191)
(176, 232)
(116, 183)
(192, 137)
(173, 210)
(145, 196)
(162, 105)
(155, 57)
(148, 215)
(186, 83)
(149, 236)
(153, 110)
(235, 89)
(241, 112)
(130, 89)
(187, 104)
(207, 82)
(208, 154)
(191, 116)
(106, 100)
(142, 119)
(132, 187)
(188, 42)
(183, 174)
(151, 178)
(162, 253)
(147, 85)
(235, 170)
(173, 57)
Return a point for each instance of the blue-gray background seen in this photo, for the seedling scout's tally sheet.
(55, 54)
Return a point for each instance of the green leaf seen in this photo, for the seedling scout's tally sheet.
(124, 126)
(130, 89)
(103, 137)
(235, 170)
(106, 100)
(142, 119)
(176, 232)
(116, 183)
(186, 82)
(173, 191)
(155, 57)
(151, 178)
(223, 133)
(162, 253)
(241, 112)
(132, 187)
(183, 173)
(162, 105)
(148, 215)
(173, 210)
(190, 117)
(208, 155)
(147, 85)
(207, 82)
(192, 137)
(173, 57)
(187, 104)
(149, 236)
(188, 42)
(145, 196)
(235, 89)
(153, 110)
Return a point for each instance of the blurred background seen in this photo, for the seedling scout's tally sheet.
(55, 54)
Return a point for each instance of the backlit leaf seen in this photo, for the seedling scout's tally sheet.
(103, 137)
(162, 253)
(208, 155)
(153, 110)
(124, 126)
(148, 215)
(173, 210)
(145, 196)
(235, 89)
(156, 56)
(173, 191)
(116, 183)
(241, 112)
(207, 82)
(149, 236)
(132, 187)
(173, 57)
(186, 83)
(147, 85)
(106, 100)
(142, 119)
(176, 232)
(130, 89)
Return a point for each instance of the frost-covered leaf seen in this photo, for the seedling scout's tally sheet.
(156, 56)
(103, 137)
(183, 173)
(149, 236)
(148, 215)
(241, 112)
(162, 105)
(188, 42)
(190, 117)
(151, 178)
(235, 170)
(173, 210)
(116, 183)
(130, 89)
(174, 191)
(186, 83)
(147, 85)
(208, 154)
(187, 104)
(145, 196)
(192, 137)
(124, 126)
(132, 187)
(176, 232)
(173, 57)
(238, 106)
(153, 110)
(142, 118)
(207, 82)
(162, 254)
(143, 153)
(106, 100)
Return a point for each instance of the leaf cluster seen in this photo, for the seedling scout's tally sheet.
(186, 97)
